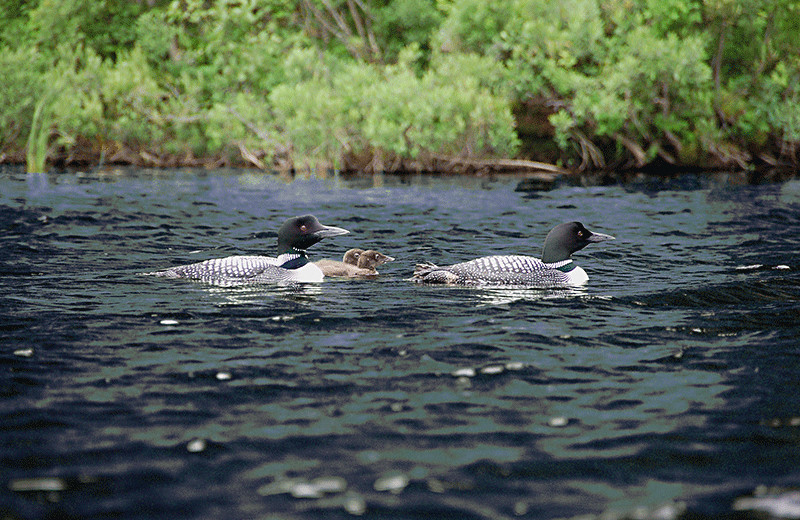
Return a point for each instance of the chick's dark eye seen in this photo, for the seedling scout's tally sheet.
(303, 228)
(580, 234)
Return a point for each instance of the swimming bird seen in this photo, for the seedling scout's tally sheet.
(555, 269)
(355, 262)
(292, 264)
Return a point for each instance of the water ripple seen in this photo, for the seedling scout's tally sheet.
(664, 388)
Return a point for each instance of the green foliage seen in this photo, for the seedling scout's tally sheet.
(554, 48)
(390, 110)
(36, 154)
(653, 84)
(14, 28)
(473, 25)
(403, 23)
(23, 85)
(225, 46)
(132, 100)
(777, 105)
(612, 72)
(105, 26)
(677, 17)
(401, 79)
(74, 84)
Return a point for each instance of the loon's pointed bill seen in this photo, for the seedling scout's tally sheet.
(330, 231)
(291, 265)
(555, 269)
(599, 237)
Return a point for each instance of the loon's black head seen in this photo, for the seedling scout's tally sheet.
(565, 239)
(300, 233)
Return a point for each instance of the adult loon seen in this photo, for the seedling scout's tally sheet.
(292, 264)
(555, 269)
(355, 262)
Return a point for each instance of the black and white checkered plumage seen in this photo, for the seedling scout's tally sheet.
(555, 269)
(236, 270)
(291, 265)
(501, 270)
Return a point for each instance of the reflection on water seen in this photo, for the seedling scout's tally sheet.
(259, 294)
(509, 295)
(661, 389)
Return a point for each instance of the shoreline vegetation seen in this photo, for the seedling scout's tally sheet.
(454, 86)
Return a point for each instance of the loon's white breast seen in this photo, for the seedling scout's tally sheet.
(577, 276)
(309, 273)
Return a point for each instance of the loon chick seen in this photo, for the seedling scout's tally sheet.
(555, 269)
(356, 262)
(291, 265)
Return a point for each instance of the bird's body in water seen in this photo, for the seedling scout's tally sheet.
(291, 265)
(355, 262)
(555, 269)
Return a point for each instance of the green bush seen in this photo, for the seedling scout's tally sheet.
(105, 26)
(364, 108)
(473, 25)
(632, 84)
(23, 84)
(610, 81)
(776, 108)
(404, 23)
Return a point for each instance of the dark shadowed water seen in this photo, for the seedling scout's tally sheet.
(668, 387)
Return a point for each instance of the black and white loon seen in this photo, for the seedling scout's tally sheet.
(292, 264)
(555, 269)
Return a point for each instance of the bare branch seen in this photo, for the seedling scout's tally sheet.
(356, 19)
(350, 26)
(340, 21)
(376, 51)
(638, 153)
(250, 157)
(279, 148)
(344, 37)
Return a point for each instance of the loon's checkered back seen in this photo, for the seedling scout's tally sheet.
(500, 270)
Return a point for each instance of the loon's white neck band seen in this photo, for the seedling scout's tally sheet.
(293, 260)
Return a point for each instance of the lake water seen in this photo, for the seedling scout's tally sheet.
(668, 387)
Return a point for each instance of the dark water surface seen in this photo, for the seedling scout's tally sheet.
(668, 387)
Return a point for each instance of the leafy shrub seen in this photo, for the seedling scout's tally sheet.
(404, 23)
(473, 25)
(609, 80)
(627, 83)
(23, 83)
(364, 108)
